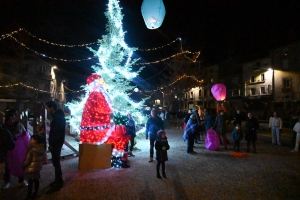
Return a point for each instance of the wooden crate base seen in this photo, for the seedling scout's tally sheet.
(94, 156)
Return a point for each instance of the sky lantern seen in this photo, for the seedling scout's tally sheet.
(219, 91)
(153, 12)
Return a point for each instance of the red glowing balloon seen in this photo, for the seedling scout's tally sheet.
(219, 91)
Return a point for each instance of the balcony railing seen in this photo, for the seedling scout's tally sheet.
(286, 90)
(255, 82)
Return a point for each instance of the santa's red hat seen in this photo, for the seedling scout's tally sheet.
(92, 77)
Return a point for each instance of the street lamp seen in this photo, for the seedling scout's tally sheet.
(157, 102)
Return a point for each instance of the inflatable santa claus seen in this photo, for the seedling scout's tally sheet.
(95, 125)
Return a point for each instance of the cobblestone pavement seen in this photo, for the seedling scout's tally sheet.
(273, 173)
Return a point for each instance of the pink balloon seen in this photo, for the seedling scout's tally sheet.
(219, 91)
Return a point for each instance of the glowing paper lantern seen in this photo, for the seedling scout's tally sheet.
(219, 91)
(153, 12)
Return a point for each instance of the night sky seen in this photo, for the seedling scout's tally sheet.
(218, 28)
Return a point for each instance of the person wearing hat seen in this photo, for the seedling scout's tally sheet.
(237, 135)
(161, 147)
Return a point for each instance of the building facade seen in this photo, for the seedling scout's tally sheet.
(286, 65)
(28, 82)
(258, 77)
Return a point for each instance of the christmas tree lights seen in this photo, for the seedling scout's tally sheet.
(108, 90)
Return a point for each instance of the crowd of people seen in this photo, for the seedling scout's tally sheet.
(196, 123)
(23, 156)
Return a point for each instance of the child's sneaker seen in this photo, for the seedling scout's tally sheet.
(6, 186)
(23, 184)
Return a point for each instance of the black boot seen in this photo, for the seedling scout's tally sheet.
(164, 174)
(158, 175)
(248, 147)
(254, 148)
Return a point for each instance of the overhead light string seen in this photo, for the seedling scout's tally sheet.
(77, 45)
(10, 35)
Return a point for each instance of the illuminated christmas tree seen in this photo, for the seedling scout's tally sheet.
(115, 67)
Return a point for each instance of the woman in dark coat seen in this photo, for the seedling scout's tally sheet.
(208, 120)
(220, 127)
(161, 147)
(251, 136)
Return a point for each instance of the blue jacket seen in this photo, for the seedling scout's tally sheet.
(190, 130)
(237, 135)
(153, 125)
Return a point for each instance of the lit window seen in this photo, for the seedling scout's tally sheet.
(200, 93)
(269, 89)
(286, 83)
(191, 95)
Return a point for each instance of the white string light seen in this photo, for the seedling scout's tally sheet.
(46, 41)
(76, 45)
(93, 57)
(32, 88)
(74, 91)
(163, 46)
(177, 54)
(82, 90)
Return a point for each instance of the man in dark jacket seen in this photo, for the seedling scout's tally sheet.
(6, 143)
(56, 141)
(153, 125)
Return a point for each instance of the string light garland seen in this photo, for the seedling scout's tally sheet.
(46, 41)
(36, 89)
(74, 91)
(93, 57)
(77, 45)
(82, 90)
(52, 58)
(161, 47)
(164, 59)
